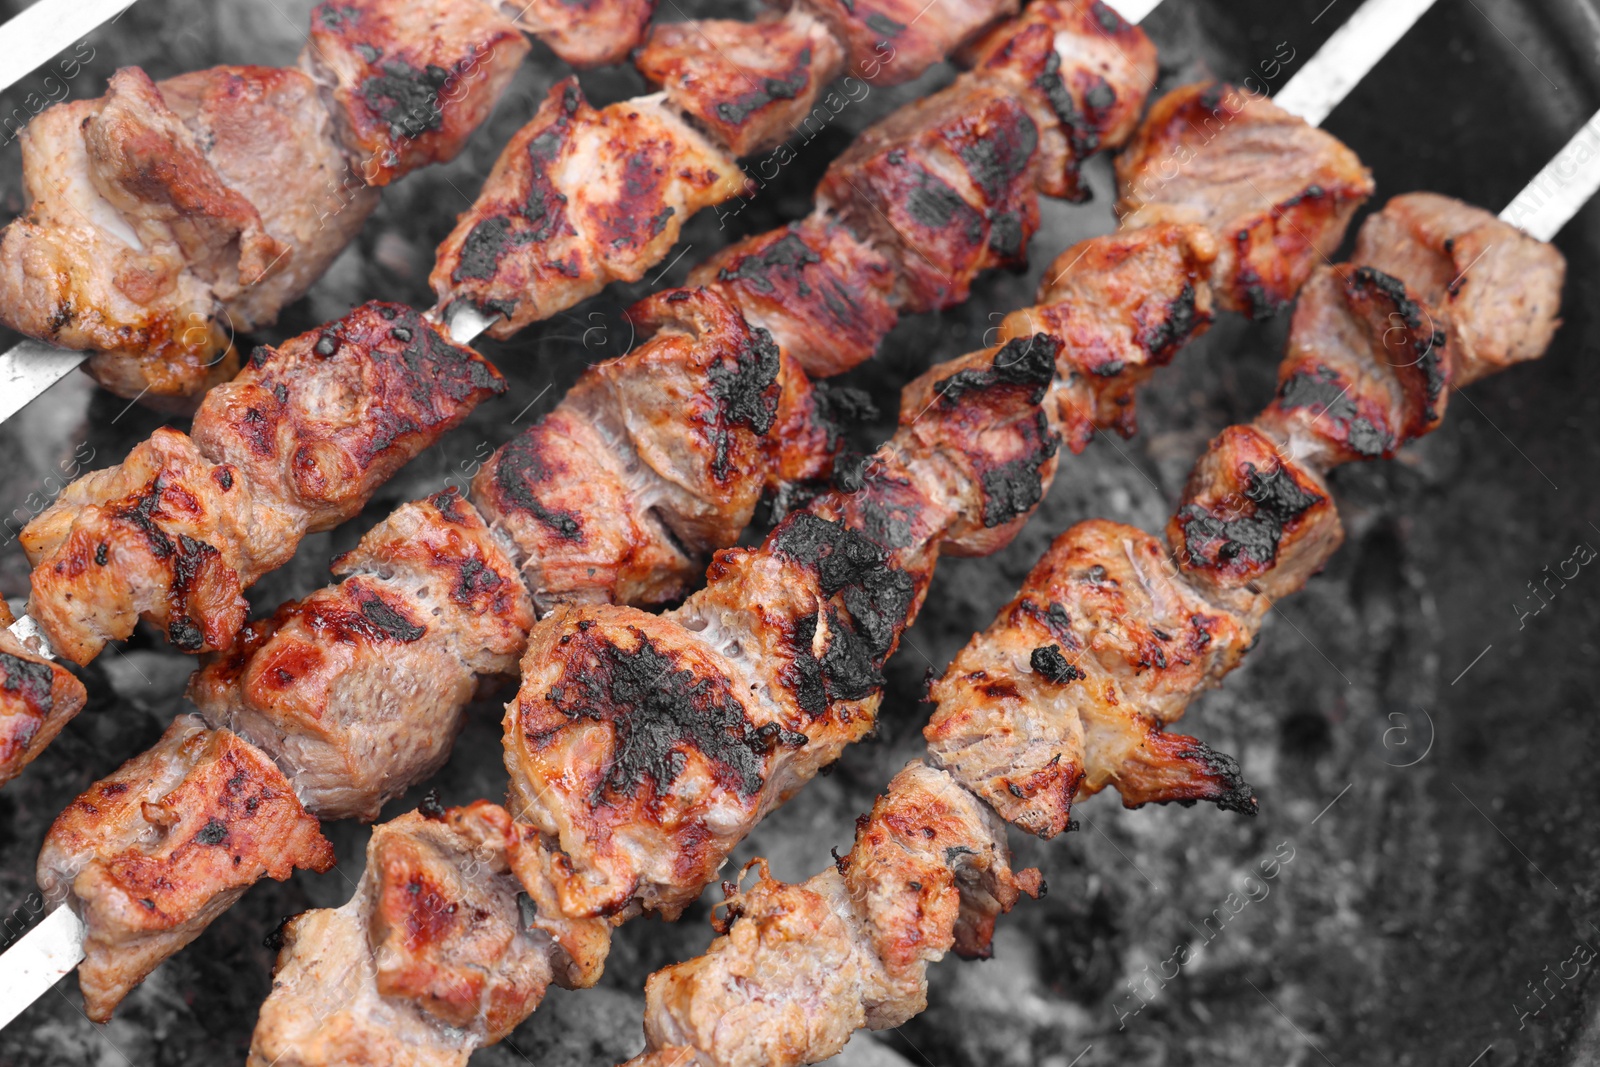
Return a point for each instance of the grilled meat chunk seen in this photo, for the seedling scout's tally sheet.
(578, 199)
(944, 186)
(1067, 691)
(409, 81)
(1122, 305)
(585, 33)
(37, 698)
(644, 747)
(1493, 289)
(1368, 368)
(825, 297)
(166, 843)
(892, 41)
(296, 444)
(799, 968)
(751, 84)
(435, 955)
(651, 460)
(1277, 192)
(358, 689)
(1083, 73)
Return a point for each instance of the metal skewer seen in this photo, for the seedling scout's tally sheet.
(48, 28)
(54, 947)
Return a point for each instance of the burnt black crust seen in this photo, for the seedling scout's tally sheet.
(1014, 487)
(1321, 388)
(1048, 662)
(744, 393)
(1278, 500)
(877, 595)
(931, 202)
(1082, 136)
(996, 162)
(407, 98)
(384, 620)
(789, 255)
(1233, 792)
(33, 680)
(1163, 339)
(844, 672)
(1029, 361)
(658, 710)
(214, 832)
(518, 468)
(842, 407)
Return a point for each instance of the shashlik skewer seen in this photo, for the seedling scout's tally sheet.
(639, 530)
(304, 685)
(1112, 634)
(601, 197)
(641, 748)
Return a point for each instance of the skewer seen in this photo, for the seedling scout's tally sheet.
(45, 941)
(41, 32)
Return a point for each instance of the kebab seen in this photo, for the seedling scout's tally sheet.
(1111, 636)
(578, 198)
(432, 601)
(642, 748)
(165, 216)
(616, 493)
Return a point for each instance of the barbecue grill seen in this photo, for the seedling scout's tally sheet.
(1413, 723)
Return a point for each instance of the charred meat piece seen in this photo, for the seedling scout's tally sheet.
(887, 42)
(358, 689)
(1066, 692)
(1122, 305)
(1083, 73)
(1277, 192)
(944, 188)
(578, 199)
(585, 33)
(651, 461)
(438, 952)
(1492, 289)
(409, 81)
(751, 84)
(644, 747)
(156, 850)
(296, 444)
(825, 297)
(799, 968)
(1368, 369)
(37, 698)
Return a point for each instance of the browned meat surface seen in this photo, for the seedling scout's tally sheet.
(156, 850)
(1083, 73)
(825, 297)
(1277, 192)
(751, 84)
(892, 41)
(37, 698)
(578, 199)
(434, 955)
(1122, 305)
(799, 968)
(1493, 289)
(944, 187)
(645, 746)
(585, 33)
(651, 461)
(358, 689)
(409, 80)
(296, 444)
(1066, 692)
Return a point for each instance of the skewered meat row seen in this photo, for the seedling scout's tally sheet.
(634, 519)
(592, 516)
(642, 748)
(1067, 692)
(166, 216)
(945, 188)
(297, 443)
(303, 690)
